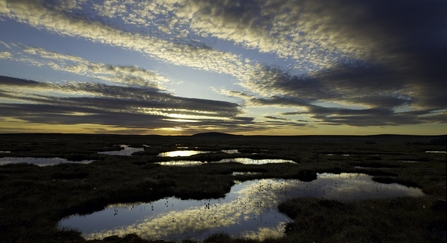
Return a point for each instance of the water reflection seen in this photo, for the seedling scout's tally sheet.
(248, 161)
(185, 153)
(39, 161)
(181, 153)
(230, 151)
(344, 155)
(5, 152)
(436, 152)
(351, 154)
(248, 210)
(181, 163)
(236, 173)
(126, 151)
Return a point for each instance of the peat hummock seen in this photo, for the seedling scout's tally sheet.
(247, 210)
(40, 197)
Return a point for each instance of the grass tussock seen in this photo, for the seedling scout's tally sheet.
(33, 199)
(397, 220)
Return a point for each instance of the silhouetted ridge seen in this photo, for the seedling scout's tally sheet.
(214, 134)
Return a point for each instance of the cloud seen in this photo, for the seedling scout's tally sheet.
(278, 124)
(125, 98)
(3, 8)
(5, 44)
(368, 63)
(356, 84)
(36, 15)
(5, 55)
(9, 81)
(435, 117)
(95, 103)
(393, 56)
(128, 75)
(272, 81)
(64, 5)
(267, 26)
(369, 117)
(371, 87)
(275, 118)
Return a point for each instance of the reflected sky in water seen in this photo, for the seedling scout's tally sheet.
(184, 163)
(236, 173)
(436, 152)
(248, 161)
(40, 161)
(126, 151)
(186, 153)
(181, 153)
(248, 210)
(230, 151)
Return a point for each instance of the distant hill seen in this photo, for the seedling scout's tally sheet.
(214, 134)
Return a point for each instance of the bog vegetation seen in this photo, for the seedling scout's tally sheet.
(34, 199)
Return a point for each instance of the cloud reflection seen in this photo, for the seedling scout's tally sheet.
(248, 210)
(181, 153)
(39, 161)
(248, 161)
(181, 163)
(126, 151)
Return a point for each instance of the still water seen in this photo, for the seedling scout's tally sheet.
(249, 210)
(436, 152)
(248, 161)
(126, 151)
(231, 151)
(236, 173)
(186, 153)
(182, 153)
(183, 163)
(245, 161)
(40, 161)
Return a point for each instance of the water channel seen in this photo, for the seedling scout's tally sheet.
(125, 151)
(186, 153)
(245, 161)
(40, 161)
(249, 210)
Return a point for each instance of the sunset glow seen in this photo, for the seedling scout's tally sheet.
(178, 67)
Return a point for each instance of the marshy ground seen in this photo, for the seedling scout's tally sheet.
(34, 199)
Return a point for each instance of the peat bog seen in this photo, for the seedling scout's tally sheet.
(249, 210)
(34, 199)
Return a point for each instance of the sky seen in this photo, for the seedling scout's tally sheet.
(253, 67)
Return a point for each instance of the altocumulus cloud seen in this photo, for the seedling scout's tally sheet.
(125, 75)
(393, 69)
(39, 15)
(368, 63)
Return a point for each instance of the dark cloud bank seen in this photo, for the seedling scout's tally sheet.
(130, 107)
(397, 69)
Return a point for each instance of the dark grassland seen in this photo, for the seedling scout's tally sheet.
(33, 199)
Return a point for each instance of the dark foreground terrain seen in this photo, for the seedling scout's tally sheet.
(33, 199)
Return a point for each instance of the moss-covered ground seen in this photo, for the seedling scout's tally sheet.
(33, 199)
